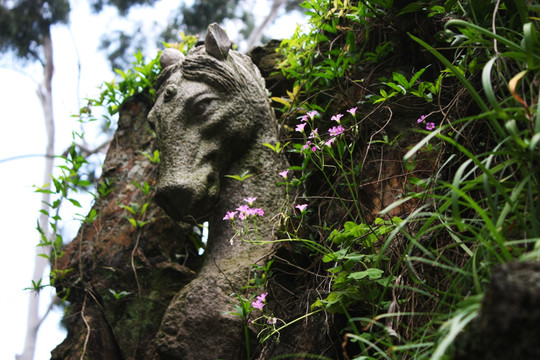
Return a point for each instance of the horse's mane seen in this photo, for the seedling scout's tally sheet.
(235, 75)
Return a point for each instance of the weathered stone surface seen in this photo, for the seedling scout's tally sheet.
(207, 114)
(267, 59)
(508, 324)
(150, 264)
(175, 308)
(169, 57)
(211, 117)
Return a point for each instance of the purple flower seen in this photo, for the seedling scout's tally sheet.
(312, 114)
(284, 173)
(230, 215)
(262, 297)
(337, 118)
(250, 200)
(421, 119)
(330, 141)
(306, 145)
(430, 126)
(336, 130)
(301, 207)
(300, 127)
(352, 111)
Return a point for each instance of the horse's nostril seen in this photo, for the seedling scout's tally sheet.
(188, 194)
(174, 200)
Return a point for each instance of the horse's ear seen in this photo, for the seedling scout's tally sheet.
(169, 57)
(217, 43)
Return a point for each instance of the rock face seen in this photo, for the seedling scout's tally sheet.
(211, 117)
(507, 326)
(211, 107)
(120, 278)
(137, 288)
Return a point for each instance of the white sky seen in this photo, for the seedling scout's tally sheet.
(22, 132)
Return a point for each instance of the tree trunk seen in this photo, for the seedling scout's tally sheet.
(44, 92)
(256, 35)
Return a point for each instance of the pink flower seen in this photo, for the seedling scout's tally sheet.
(309, 145)
(258, 212)
(246, 211)
(271, 321)
(230, 215)
(337, 118)
(421, 119)
(300, 127)
(312, 114)
(430, 126)
(284, 173)
(352, 111)
(304, 118)
(314, 133)
(243, 211)
(257, 304)
(250, 200)
(336, 130)
(330, 141)
(243, 208)
(301, 207)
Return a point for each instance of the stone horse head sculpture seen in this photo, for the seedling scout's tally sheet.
(210, 106)
(211, 116)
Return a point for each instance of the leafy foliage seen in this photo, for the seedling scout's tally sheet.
(24, 24)
(406, 271)
(197, 17)
(472, 206)
(123, 6)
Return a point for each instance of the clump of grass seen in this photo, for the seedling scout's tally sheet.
(409, 285)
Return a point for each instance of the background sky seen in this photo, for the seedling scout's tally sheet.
(22, 132)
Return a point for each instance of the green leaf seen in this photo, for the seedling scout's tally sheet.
(129, 208)
(402, 80)
(370, 273)
(75, 202)
(245, 175)
(396, 87)
(133, 222)
(417, 75)
(144, 207)
(281, 101)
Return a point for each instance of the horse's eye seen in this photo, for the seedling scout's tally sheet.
(170, 92)
(203, 105)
